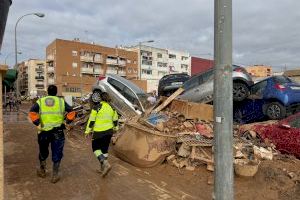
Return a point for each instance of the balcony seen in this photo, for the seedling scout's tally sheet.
(111, 71)
(110, 61)
(39, 70)
(50, 80)
(86, 58)
(40, 86)
(39, 77)
(50, 69)
(98, 71)
(98, 60)
(85, 70)
(121, 73)
(122, 62)
(50, 58)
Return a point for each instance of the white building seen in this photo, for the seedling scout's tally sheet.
(154, 63)
(32, 76)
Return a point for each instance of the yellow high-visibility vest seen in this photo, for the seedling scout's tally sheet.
(52, 111)
(104, 118)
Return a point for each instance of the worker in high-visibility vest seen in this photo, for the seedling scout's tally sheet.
(48, 114)
(103, 121)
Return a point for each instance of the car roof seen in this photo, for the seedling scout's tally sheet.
(128, 83)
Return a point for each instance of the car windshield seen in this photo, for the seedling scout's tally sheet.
(143, 99)
(282, 79)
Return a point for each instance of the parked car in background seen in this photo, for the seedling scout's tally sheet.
(199, 88)
(272, 98)
(168, 84)
(127, 98)
(284, 134)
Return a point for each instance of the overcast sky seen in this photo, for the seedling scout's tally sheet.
(264, 31)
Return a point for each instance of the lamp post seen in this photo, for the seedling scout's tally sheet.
(140, 57)
(16, 48)
(19, 52)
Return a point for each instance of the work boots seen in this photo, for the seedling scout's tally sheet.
(41, 172)
(55, 173)
(106, 168)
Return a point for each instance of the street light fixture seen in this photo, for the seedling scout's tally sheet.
(19, 52)
(140, 57)
(16, 48)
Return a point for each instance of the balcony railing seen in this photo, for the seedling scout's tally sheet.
(50, 58)
(98, 60)
(98, 71)
(85, 70)
(40, 86)
(50, 69)
(50, 81)
(39, 70)
(111, 71)
(39, 77)
(86, 58)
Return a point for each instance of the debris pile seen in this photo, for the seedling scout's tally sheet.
(189, 127)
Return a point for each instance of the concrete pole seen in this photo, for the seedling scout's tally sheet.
(140, 60)
(223, 131)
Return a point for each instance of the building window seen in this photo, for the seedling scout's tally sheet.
(184, 58)
(74, 53)
(128, 61)
(145, 71)
(74, 65)
(159, 55)
(172, 56)
(184, 66)
(146, 62)
(160, 64)
(129, 69)
(72, 89)
(134, 62)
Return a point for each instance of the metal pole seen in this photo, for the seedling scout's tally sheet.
(140, 60)
(223, 152)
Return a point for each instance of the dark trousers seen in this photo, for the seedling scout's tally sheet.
(54, 137)
(101, 141)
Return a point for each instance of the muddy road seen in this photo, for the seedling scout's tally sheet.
(81, 181)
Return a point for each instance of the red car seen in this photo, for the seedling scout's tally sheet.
(284, 134)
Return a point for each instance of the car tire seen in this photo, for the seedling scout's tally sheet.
(240, 91)
(275, 111)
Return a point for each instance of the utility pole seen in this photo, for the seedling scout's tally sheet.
(223, 131)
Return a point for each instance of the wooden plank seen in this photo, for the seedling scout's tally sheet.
(168, 100)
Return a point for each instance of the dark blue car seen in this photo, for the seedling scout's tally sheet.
(272, 98)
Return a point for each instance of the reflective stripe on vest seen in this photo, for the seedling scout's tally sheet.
(52, 110)
(104, 118)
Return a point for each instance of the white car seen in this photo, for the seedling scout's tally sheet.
(127, 98)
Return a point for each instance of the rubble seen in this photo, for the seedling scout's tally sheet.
(181, 133)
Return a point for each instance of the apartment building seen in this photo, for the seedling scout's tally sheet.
(156, 62)
(74, 66)
(259, 70)
(32, 77)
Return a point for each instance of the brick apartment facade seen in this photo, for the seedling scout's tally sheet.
(259, 70)
(199, 65)
(74, 66)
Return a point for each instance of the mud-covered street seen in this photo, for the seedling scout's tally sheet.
(81, 181)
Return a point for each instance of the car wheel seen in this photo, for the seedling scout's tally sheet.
(240, 91)
(96, 96)
(275, 111)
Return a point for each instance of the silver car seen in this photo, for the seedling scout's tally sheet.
(199, 88)
(127, 98)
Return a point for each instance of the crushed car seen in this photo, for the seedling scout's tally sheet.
(168, 84)
(273, 98)
(199, 88)
(127, 98)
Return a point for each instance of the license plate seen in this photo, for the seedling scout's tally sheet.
(295, 87)
(177, 83)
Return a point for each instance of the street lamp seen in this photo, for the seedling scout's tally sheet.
(140, 57)
(19, 52)
(16, 48)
